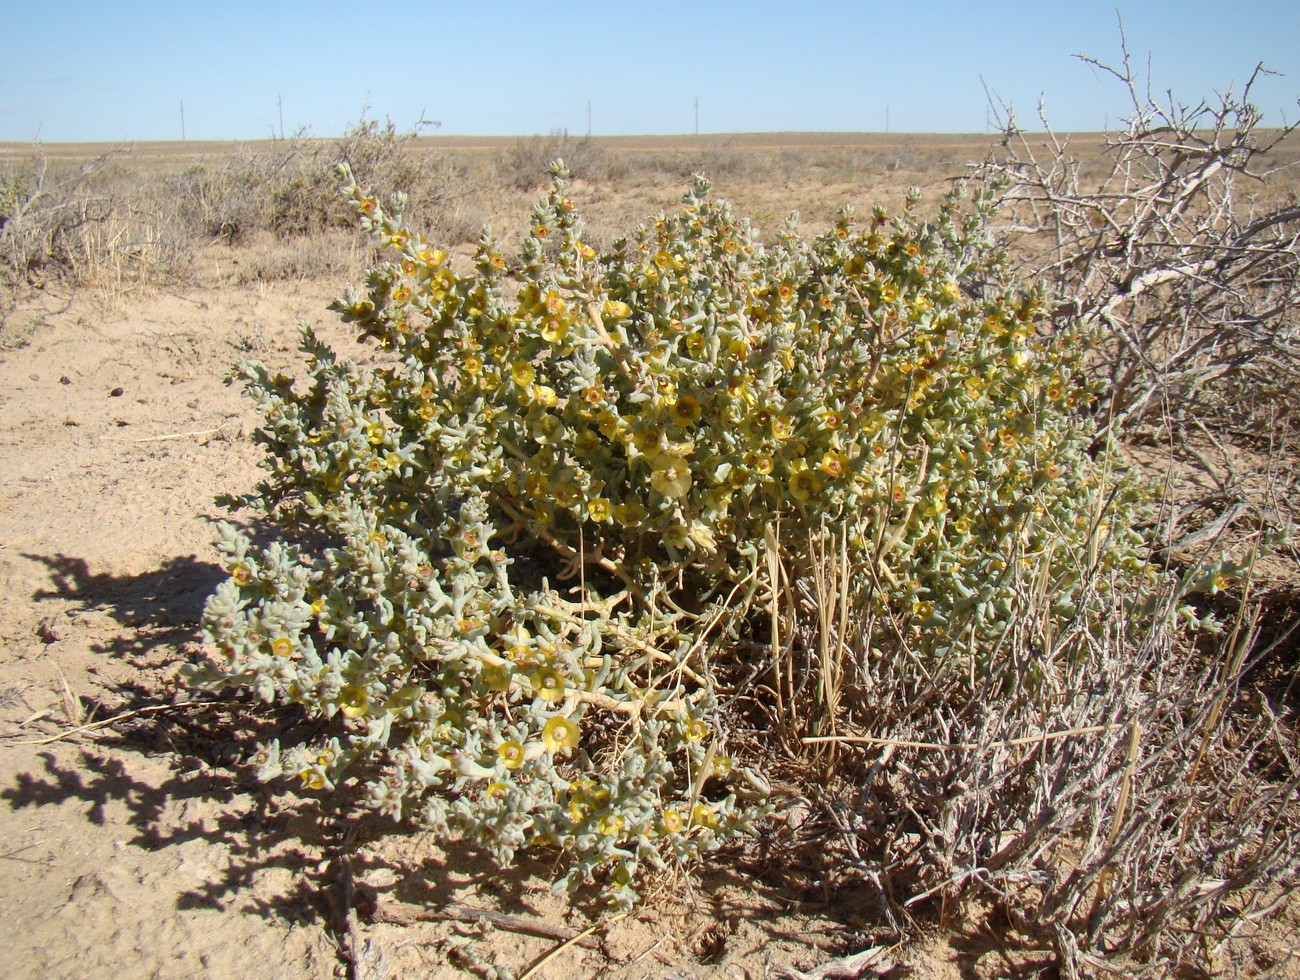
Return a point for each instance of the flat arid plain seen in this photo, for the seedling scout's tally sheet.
(134, 838)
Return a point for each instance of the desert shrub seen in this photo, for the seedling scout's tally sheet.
(524, 550)
(290, 189)
(525, 165)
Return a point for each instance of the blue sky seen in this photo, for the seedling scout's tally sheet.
(73, 71)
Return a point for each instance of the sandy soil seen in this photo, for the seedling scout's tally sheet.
(144, 847)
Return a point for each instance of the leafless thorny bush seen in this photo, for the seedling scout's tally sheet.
(81, 227)
(1116, 792)
(1189, 278)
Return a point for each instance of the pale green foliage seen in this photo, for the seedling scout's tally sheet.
(645, 425)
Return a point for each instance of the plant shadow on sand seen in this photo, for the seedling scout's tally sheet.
(159, 609)
(178, 769)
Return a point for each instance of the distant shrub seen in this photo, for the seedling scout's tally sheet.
(291, 191)
(525, 165)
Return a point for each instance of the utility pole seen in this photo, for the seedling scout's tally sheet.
(279, 101)
(182, 120)
(588, 118)
(697, 115)
(886, 118)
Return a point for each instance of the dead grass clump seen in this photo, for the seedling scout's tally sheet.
(1126, 795)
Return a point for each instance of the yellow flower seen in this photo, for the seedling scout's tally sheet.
(241, 574)
(282, 646)
(496, 790)
(609, 423)
(617, 309)
(685, 411)
(523, 373)
(610, 824)
(671, 475)
(889, 292)
(554, 329)
(579, 810)
(600, 510)
(834, 463)
(704, 816)
(473, 364)
(585, 250)
(677, 536)
(586, 442)
(511, 754)
(547, 428)
(496, 677)
(559, 735)
(565, 492)
(549, 683)
(804, 484)
(696, 731)
(630, 514)
(782, 428)
(696, 345)
(375, 433)
(662, 259)
(353, 702)
(672, 821)
(312, 778)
